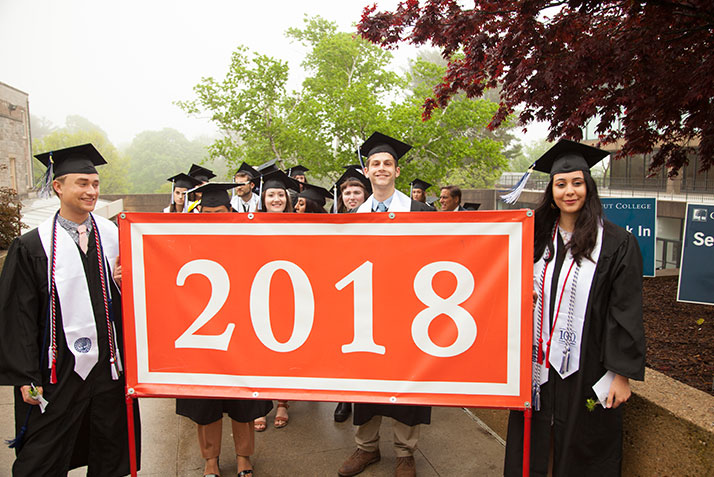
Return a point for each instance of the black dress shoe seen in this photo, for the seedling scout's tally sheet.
(343, 411)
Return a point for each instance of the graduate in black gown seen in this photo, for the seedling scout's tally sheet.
(588, 282)
(382, 169)
(208, 413)
(66, 342)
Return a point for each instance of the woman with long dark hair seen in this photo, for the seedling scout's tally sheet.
(588, 336)
(180, 184)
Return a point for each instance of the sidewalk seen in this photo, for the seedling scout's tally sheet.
(312, 444)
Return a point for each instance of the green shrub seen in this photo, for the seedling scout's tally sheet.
(10, 218)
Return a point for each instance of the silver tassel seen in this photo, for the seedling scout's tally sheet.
(536, 397)
(565, 364)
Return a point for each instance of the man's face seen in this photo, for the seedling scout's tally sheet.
(299, 177)
(214, 210)
(243, 190)
(382, 169)
(447, 202)
(78, 193)
(419, 195)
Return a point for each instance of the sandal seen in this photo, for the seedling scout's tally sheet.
(280, 421)
(259, 424)
(244, 473)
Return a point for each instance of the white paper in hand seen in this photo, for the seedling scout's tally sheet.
(602, 387)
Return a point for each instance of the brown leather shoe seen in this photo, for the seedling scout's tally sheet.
(358, 462)
(405, 467)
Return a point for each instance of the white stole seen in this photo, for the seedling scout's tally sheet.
(80, 329)
(237, 203)
(400, 203)
(567, 334)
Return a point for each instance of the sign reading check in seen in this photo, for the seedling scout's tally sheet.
(418, 308)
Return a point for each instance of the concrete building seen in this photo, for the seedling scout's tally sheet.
(15, 140)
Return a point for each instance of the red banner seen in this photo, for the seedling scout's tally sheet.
(417, 308)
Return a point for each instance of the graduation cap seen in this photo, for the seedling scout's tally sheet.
(267, 167)
(379, 142)
(184, 180)
(215, 194)
(565, 156)
(419, 184)
(247, 169)
(201, 173)
(80, 159)
(297, 170)
(354, 173)
(471, 205)
(316, 193)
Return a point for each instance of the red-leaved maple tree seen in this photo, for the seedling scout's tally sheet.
(642, 69)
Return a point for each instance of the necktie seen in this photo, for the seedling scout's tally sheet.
(381, 207)
(83, 239)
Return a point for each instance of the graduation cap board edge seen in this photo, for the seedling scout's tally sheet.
(564, 157)
(315, 193)
(201, 173)
(215, 194)
(80, 159)
(379, 142)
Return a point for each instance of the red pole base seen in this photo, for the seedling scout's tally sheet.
(132, 435)
(527, 415)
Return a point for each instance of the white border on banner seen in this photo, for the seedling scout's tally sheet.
(514, 231)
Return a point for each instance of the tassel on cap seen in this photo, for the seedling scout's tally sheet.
(334, 199)
(515, 193)
(45, 184)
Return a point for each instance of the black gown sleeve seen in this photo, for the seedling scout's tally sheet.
(623, 349)
(20, 305)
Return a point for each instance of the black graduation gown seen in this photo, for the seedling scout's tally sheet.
(85, 422)
(589, 443)
(206, 411)
(407, 414)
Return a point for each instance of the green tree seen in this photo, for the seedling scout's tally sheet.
(453, 146)
(157, 155)
(251, 107)
(346, 95)
(79, 130)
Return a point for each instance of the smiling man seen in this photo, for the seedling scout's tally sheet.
(382, 169)
(59, 341)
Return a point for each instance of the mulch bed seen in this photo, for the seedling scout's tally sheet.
(680, 336)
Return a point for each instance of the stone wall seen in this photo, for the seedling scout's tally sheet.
(141, 202)
(15, 149)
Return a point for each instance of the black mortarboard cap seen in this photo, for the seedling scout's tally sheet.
(565, 156)
(72, 160)
(419, 184)
(568, 156)
(267, 167)
(379, 142)
(471, 205)
(215, 194)
(297, 170)
(316, 193)
(354, 173)
(247, 169)
(201, 173)
(184, 180)
(279, 180)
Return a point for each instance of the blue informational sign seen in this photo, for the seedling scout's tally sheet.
(639, 216)
(696, 271)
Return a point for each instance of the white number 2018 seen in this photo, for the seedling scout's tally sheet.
(304, 301)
